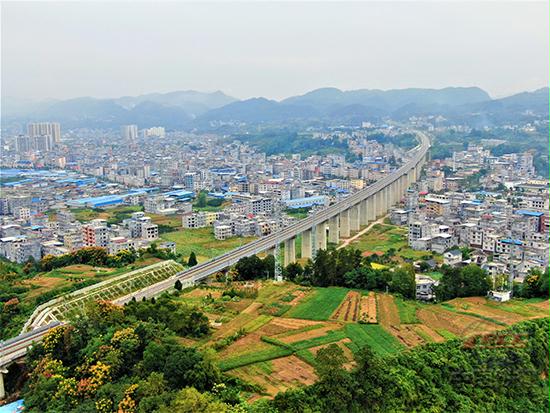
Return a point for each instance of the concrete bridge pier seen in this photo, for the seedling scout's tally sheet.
(290, 251)
(3, 370)
(354, 218)
(371, 209)
(333, 230)
(322, 236)
(364, 213)
(344, 224)
(306, 244)
(377, 198)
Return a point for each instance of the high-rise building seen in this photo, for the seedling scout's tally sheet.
(23, 144)
(154, 132)
(52, 129)
(43, 143)
(129, 132)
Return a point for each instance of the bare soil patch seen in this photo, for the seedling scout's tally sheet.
(240, 305)
(306, 335)
(298, 296)
(252, 308)
(544, 305)
(201, 293)
(246, 344)
(368, 308)
(387, 311)
(477, 305)
(406, 334)
(292, 370)
(277, 375)
(293, 323)
(461, 325)
(429, 332)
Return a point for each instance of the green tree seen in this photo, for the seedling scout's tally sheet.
(190, 400)
(201, 201)
(403, 281)
(293, 271)
(177, 285)
(192, 261)
(334, 381)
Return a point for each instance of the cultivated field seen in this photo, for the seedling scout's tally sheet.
(271, 339)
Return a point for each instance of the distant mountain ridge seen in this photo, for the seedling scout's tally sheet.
(191, 109)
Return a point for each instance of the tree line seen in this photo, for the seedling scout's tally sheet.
(346, 267)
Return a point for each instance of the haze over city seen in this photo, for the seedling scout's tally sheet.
(274, 207)
(275, 50)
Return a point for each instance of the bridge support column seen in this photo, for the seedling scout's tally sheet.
(322, 236)
(378, 204)
(290, 251)
(354, 218)
(344, 224)
(371, 209)
(333, 230)
(363, 213)
(270, 251)
(306, 244)
(3, 371)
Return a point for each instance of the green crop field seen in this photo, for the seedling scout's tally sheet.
(320, 305)
(255, 357)
(257, 323)
(201, 241)
(407, 310)
(372, 335)
(447, 335)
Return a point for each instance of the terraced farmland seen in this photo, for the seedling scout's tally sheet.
(277, 351)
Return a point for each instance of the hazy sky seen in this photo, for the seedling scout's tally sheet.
(108, 49)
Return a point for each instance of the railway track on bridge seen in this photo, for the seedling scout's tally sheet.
(17, 346)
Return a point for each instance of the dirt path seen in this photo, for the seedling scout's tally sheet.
(347, 241)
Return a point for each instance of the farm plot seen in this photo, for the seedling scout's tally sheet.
(308, 332)
(407, 311)
(389, 317)
(320, 305)
(368, 308)
(277, 375)
(439, 319)
(376, 337)
(344, 345)
(477, 306)
(348, 310)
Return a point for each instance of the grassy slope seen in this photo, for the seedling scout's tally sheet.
(202, 242)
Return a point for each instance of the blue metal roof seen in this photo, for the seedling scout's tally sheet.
(529, 213)
(512, 241)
